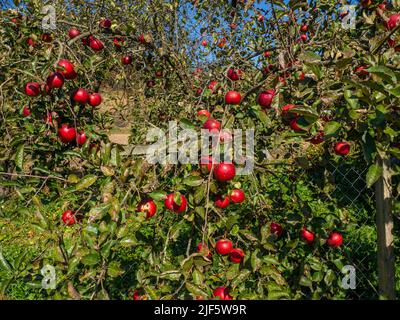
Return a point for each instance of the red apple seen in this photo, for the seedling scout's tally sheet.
(95, 99)
(159, 73)
(237, 196)
(213, 85)
(304, 28)
(30, 42)
(80, 96)
(286, 110)
(212, 125)
(224, 246)
(204, 43)
(66, 68)
(201, 248)
(236, 255)
(303, 37)
(392, 22)
(66, 133)
(173, 206)
(203, 113)
(105, 23)
(32, 89)
(224, 171)
(147, 206)
(361, 71)
(222, 293)
(342, 148)
(221, 201)
(46, 37)
(307, 236)
(126, 60)
(26, 112)
(118, 41)
(142, 39)
(265, 98)
(335, 239)
(55, 80)
(68, 217)
(81, 138)
(234, 75)
(318, 138)
(73, 33)
(267, 54)
(233, 97)
(96, 44)
(294, 125)
(276, 228)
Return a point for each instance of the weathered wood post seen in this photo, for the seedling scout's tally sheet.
(384, 223)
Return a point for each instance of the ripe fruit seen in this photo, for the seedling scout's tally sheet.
(95, 99)
(265, 98)
(335, 239)
(304, 28)
(30, 42)
(267, 54)
(46, 37)
(142, 39)
(317, 139)
(73, 33)
(55, 80)
(206, 163)
(105, 23)
(173, 206)
(159, 73)
(233, 97)
(136, 296)
(204, 249)
(236, 255)
(213, 85)
(224, 171)
(32, 89)
(286, 110)
(198, 92)
(234, 75)
(260, 18)
(222, 293)
(294, 125)
(342, 148)
(26, 112)
(147, 206)
(203, 113)
(276, 228)
(80, 96)
(237, 196)
(303, 37)
(81, 138)
(225, 135)
(126, 60)
(224, 246)
(307, 236)
(212, 124)
(68, 217)
(204, 43)
(392, 22)
(118, 41)
(96, 44)
(361, 71)
(221, 201)
(66, 133)
(66, 68)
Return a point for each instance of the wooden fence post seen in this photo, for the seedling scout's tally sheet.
(384, 223)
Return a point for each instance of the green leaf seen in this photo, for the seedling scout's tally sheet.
(158, 195)
(193, 181)
(196, 291)
(86, 182)
(91, 259)
(373, 174)
(19, 157)
(114, 269)
(331, 128)
(383, 72)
